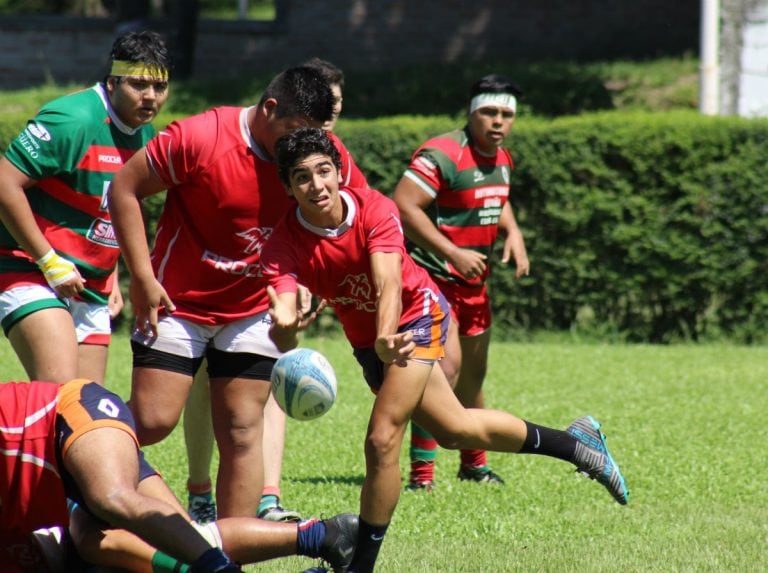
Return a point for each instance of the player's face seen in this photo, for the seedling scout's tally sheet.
(338, 101)
(490, 126)
(137, 100)
(314, 182)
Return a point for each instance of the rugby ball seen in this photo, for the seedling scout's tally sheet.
(304, 383)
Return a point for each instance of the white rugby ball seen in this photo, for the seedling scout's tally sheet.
(304, 383)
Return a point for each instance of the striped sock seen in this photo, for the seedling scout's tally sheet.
(423, 453)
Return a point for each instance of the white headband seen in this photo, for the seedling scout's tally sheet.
(507, 101)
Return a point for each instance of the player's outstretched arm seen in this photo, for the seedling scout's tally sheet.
(286, 319)
(391, 347)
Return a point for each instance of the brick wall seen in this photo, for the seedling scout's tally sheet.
(360, 34)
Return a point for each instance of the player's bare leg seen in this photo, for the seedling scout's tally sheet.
(273, 446)
(582, 443)
(469, 390)
(46, 345)
(237, 412)
(199, 441)
(109, 483)
(157, 400)
(92, 362)
(395, 402)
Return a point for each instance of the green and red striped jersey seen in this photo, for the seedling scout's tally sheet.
(469, 190)
(72, 148)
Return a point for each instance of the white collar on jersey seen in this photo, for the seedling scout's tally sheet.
(338, 231)
(245, 131)
(119, 123)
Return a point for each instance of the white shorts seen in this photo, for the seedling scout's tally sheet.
(91, 320)
(182, 337)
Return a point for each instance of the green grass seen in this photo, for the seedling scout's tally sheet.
(687, 424)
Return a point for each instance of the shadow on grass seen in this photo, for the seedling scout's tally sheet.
(332, 479)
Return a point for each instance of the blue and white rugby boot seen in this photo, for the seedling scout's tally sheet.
(593, 459)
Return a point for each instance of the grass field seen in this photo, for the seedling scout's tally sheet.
(686, 423)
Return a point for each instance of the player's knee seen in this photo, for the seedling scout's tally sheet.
(115, 505)
(151, 433)
(239, 436)
(383, 443)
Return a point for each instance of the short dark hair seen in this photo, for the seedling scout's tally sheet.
(141, 46)
(300, 143)
(494, 84)
(301, 91)
(331, 73)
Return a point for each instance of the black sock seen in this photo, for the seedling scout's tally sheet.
(548, 442)
(369, 542)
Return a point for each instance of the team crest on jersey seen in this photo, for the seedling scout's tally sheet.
(358, 285)
(256, 237)
(359, 293)
(102, 232)
(505, 174)
(39, 131)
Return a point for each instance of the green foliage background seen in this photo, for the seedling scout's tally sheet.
(640, 225)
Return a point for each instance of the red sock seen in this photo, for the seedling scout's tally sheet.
(474, 458)
(199, 488)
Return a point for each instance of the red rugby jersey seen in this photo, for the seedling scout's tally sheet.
(335, 263)
(31, 491)
(224, 199)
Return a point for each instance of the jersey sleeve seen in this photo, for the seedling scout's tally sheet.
(181, 149)
(350, 172)
(384, 231)
(428, 169)
(53, 142)
(278, 261)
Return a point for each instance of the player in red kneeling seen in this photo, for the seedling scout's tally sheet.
(346, 246)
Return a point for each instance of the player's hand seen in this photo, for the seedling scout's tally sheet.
(395, 348)
(115, 302)
(522, 265)
(61, 274)
(148, 298)
(284, 316)
(306, 319)
(304, 298)
(286, 320)
(470, 264)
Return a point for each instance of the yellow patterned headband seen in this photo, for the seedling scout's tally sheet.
(138, 69)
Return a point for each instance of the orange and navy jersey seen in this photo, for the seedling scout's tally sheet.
(224, 199)
(72, 148)
(335, 264)
(39, 421)
(469, 191)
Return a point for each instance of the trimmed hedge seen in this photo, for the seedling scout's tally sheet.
(644, 227)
